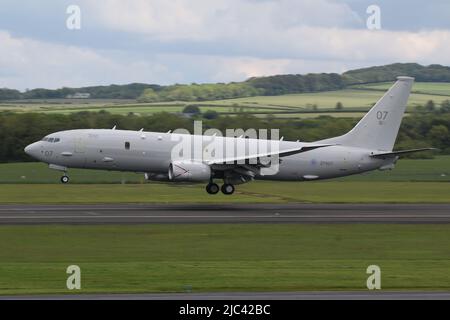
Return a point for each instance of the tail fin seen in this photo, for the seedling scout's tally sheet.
(378, 129)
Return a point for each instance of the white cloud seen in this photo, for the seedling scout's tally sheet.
(200, 20)
(360, 45)
(212, 41)
(27, 63)
(227, 69)
(284, 29)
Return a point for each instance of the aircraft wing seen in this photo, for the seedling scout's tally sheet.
(281, 153)
(399, 153)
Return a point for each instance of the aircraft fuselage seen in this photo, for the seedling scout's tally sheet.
(150, 152)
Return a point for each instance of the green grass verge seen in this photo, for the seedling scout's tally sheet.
(169, 258)
(412, 181)
(257, 192)
(437, 169)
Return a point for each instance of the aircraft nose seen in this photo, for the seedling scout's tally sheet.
(32, 149)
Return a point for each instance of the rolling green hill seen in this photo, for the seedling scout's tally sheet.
(356, 99)
(266, 86)
(431, 73)
(281, 96)
(431, 88)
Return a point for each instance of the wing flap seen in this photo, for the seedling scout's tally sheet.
(280, 153)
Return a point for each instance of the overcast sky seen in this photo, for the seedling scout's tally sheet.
(184, 41)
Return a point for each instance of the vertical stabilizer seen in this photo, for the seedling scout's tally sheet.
(378, 129)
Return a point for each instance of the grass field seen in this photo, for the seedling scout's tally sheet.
(309, 115)
(257, 192)
(438, 88)
(350, 98)
(412, 181)
(174, 258)
(357, 98)
(437, 169)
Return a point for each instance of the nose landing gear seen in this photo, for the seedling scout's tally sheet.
(65, 179)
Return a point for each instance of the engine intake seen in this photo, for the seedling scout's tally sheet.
(187, 170)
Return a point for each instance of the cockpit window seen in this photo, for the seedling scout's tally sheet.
(51, 140)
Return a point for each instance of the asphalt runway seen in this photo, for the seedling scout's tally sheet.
(256, 296)
(224, 213)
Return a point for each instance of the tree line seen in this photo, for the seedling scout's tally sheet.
(431, 73)
(128, 91)
(200, 92)
(20, 129)
(271, 85)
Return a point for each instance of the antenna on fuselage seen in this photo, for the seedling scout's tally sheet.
(113, 128)
(142, 129)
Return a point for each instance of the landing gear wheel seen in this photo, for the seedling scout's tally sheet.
(227, 188)
(212, 188)
(65, 179)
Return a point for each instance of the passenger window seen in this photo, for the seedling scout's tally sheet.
(127, 145)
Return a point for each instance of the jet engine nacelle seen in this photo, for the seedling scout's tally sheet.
(187, 170)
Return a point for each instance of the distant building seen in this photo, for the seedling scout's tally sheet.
(79, 95)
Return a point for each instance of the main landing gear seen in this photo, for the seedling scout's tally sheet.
(213, 188)
(65, 179)
(227, 188)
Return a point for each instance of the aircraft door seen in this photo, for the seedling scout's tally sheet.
(79, 156)
(80, 145)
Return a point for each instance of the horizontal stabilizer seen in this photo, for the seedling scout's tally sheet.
(399, 153)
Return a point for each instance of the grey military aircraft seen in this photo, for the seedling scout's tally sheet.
(368, 146)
